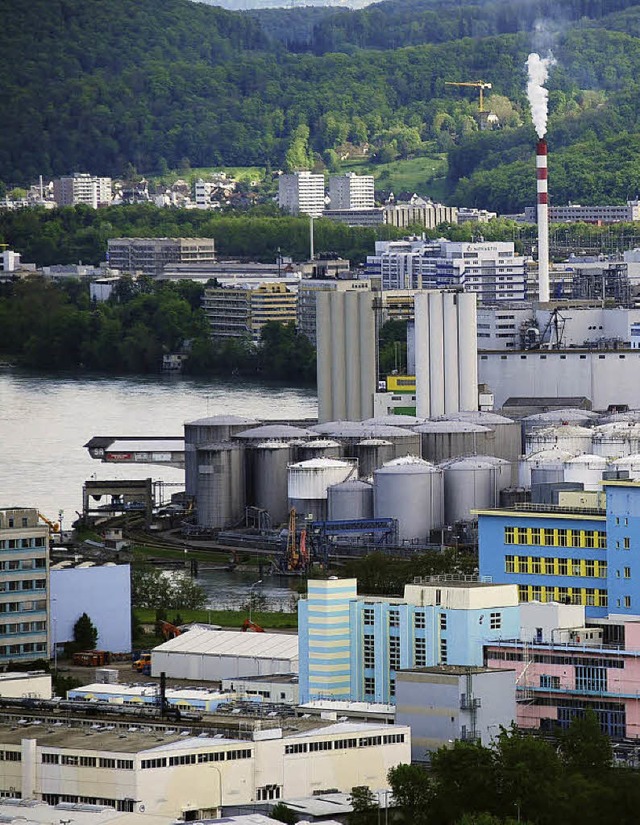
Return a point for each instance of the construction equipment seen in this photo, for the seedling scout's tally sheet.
(297, 555)
(143, 664)
(91, 658)
(170, 631)
(480, 85)
(54, 526)
(247, 624)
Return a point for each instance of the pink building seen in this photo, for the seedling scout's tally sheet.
(597, 667)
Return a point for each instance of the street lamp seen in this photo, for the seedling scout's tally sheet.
(219, 772)
(255, 584)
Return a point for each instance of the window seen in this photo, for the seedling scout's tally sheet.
(591, 678)
(589, 539)
(369, 653)
(320, 746)
(268, 792)
(562, 537)
(627, 572)
(535, 564)
(509, 535)
(563, 567)
(509, 564)
(367, 614)
(495, 621)
(394, 653)
(107, 763)
(627, 543)
(419, 653)
(125, 764)
(369, 686)
(443, 621)
(392, 687)
(576, 568)
(443, 651)
(420, 620)
(50, 758)
(627, 601)
(549, 682)
(87, 761)
(590, 568)
(394, 618)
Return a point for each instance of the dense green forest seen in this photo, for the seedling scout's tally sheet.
(57, 327)
(568, 778)
(89, 85)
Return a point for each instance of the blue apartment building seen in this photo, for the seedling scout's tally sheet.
(351, 647)
(579, 556)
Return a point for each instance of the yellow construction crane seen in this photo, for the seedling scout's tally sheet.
(475, 84)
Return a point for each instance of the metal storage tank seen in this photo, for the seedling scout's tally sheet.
(273, 432)
(220, 491)
(570, 437)
(631, 463)
(617, 439)
(308, 482)
(270, 462)
(551, 418)
(504, 470)
(470, 483)
(442, 440)
(395, 420)
(350, 500)
(586, 469)
(319, 448)
(410, 490)
(507, 432)
(544, 467)
(371, 454)
(350, 433)
(632, 416)
(212, 430)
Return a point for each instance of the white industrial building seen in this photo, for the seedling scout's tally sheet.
(301, 193)
(492, 271)
(212, 655)
(351, 191)
(166, 772)
(81, 187)
(574, 212)
(103, 592)
(35, 684)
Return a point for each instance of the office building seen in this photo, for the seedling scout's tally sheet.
(301, 193)
(149, 256)
(575, 212)
(24, 586)
(492, 271)
(242, 313)
(176, 773)
(82, 188)
(352, 647)
(418, 212)
(351, 191)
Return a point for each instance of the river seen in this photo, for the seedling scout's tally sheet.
(45, 421)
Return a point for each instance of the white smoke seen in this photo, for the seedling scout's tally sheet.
(538, 70)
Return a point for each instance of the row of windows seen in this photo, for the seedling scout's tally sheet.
(549, 566)
(125, 805)
(24, 564)
(20, 544)
(23, 607)
(11, 756)
(22, 584)
(86, 761)
(555, 659)
(565, 595)
(22, 627)
(556, 537)
(343, 744)
(25, 647)
(192, 758)
(368, 618)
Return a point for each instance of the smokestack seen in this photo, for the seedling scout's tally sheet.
(543, 220)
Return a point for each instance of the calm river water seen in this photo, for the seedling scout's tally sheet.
(45, 421)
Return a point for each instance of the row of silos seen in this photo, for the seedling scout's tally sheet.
(612, 440)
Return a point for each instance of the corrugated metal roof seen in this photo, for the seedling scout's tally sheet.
(275, 431)
(220, 420)
(451, 427)
(201, 641)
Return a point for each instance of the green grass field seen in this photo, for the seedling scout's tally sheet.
(423, 175)
(225, 618)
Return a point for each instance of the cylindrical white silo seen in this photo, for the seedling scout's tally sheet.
(422, 353)
(350, 500)
(468, 350)
(212, 430)
(570, 437)
(372, 453)
(410, 490)
(308, 482)
(630, 463)
(319, 448)
(451, 359)
(469, 484)
(586, 469)
(442, 440)
(546, 466)
(611, 440)
(436, 354)
(270, 462)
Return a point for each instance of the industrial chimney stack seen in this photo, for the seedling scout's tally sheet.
(543, 221)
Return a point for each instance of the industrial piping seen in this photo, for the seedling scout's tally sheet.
(543, 221)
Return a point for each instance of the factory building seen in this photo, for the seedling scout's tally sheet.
(583, 556)
(575, 212)
(416, 212)
(212, 655)
(352, 647)
(149, 256)
(492, 271)
(242, 313)
(446, 703)
(24, 586)
(103, 592)
(162, 772)
(301, 193)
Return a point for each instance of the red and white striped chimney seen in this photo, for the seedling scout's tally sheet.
(543, 220)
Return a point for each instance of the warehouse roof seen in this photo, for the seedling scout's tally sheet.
(201, 641)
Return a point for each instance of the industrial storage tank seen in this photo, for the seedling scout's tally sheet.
(350, 500)
(269, 470)
(632, 416)
(308, 482)
(395, 420)
(319, 448)
(371, 454)
(410, 490)
(505, 470)
(220, 490)
(442, 440)
(617, 439)
(544, 467)
(212, 430)
(551, 418)
(273, 432)
(570, 437)
(470, 483)
(586, 469)
(350, 433)
(630, 463)
(507, 432)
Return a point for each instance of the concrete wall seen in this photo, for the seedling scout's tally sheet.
(103, 593)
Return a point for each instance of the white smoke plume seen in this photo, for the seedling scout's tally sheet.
(538, 70)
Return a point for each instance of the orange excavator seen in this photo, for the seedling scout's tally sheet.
(247, 624)
(169, 631)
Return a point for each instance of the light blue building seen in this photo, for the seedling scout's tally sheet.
(351, 646)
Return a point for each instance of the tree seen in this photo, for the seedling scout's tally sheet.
(283, 814)
(412, 791)
(365, 805)
(584, 748)
(85, 634)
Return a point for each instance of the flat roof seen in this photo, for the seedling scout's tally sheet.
(33, 810)
(344, 706)
(269, 678)
(454, 670)
(153, 691)
(202, 641)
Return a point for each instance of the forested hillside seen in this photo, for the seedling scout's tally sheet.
(100, 86)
